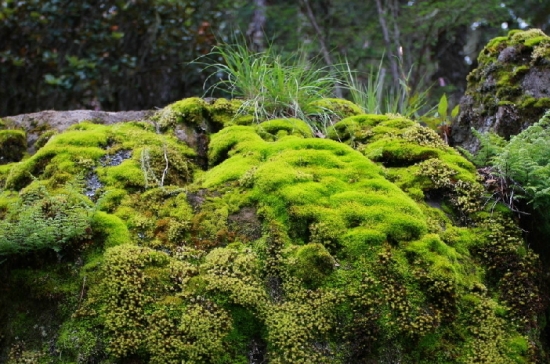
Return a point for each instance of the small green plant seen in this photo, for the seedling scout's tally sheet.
(517, 170)
(44, 222)
(490, 145)
(441, 121)
(374, 96)
(525, 161)
(270, 84)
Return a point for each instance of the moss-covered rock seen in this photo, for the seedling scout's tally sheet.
(508, 91)
(370, 245)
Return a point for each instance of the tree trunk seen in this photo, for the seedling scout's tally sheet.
(255, 32)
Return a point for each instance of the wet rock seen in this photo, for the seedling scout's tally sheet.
(246, 223)
(92, 185)
(115, 159)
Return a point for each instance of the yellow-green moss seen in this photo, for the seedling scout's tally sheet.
(314, 187)
(191, 110)
(85, 146)
(301, 247)
(278, 128)
(312, 264)
(335, 109)
(227, 112)
(530, 35)
(110, 228)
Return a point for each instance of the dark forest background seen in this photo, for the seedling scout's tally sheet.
(137, 54)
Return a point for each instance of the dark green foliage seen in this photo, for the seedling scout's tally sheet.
(44, 222)
(490, 145)
(526, 160)
(13, 144)
(522, 164)
(102, 54)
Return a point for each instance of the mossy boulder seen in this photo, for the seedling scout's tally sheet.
(370, 245)
(41, 125)
(508, 91)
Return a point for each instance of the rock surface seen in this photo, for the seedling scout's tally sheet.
(508, 91)
(36, 123)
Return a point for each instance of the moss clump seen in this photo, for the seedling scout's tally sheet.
(335, 109)
(191, 110)
(137, 292)
(44, 138)
(416, 159)
(319, 181)
(312, 264)
(197, 112)
(368, 245)
(227, 112)
(87, 148)
(13, 145)
(111, 229)
(274, 129)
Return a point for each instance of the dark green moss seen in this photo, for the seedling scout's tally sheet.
(13, 145)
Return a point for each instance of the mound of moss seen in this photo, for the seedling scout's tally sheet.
(13, 145)
(373, 244)
(508, 91)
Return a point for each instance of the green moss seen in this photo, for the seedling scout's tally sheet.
(442, 258)
(128, 174)
(278, 128)
(111, 199)
(312, 264)
(529, 37)
(227, 112)
(543, 103)
(319, 181)
(7, 200)
(496, 41)
(110, 229)
(86, 146)
(337, 109)
(13, 145)
(541, 53)
(518, 349)
(79, 340)
(191, 110)
(4, 173)
(44, 138)
(360, 242)
(302, 247)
